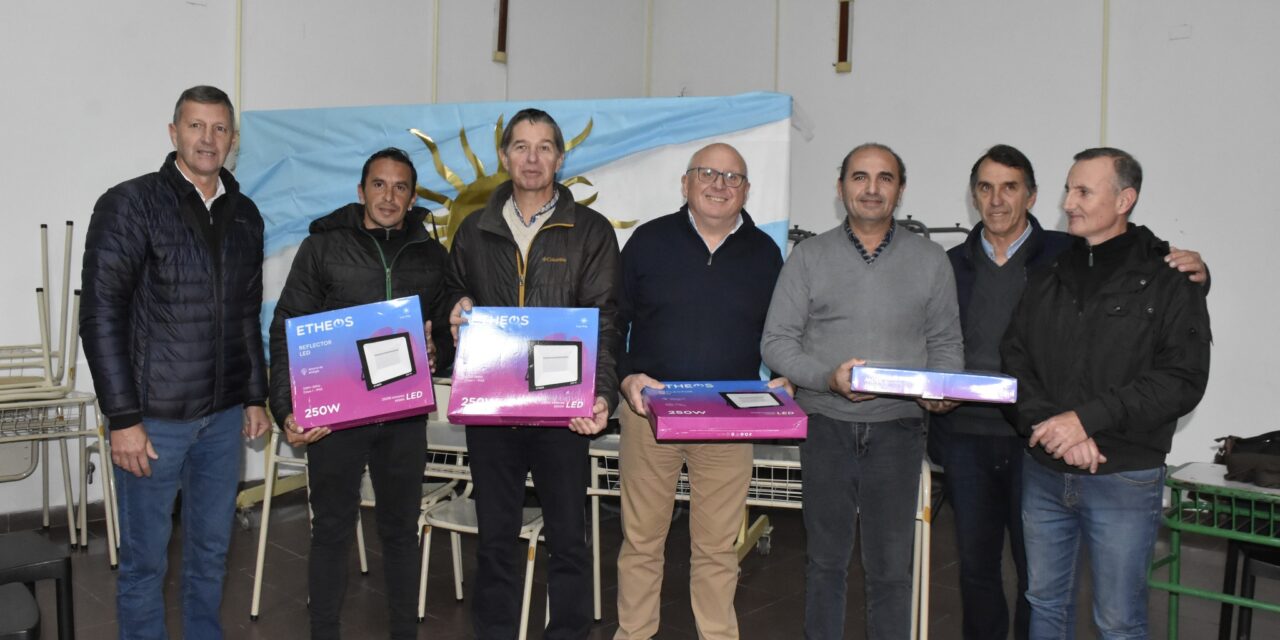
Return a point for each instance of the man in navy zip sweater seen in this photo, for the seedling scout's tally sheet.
(696, 286)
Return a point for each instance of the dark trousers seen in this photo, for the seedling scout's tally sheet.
(501, 458)
(984, 483)
(860, 477)
(395, 453)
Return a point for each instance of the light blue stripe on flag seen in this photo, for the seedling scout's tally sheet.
(299, 164)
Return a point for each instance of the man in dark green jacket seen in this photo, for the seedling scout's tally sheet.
(533, 246)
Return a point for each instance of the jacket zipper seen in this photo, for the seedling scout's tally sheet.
(218, 294)
(382, 257)
(521, 266)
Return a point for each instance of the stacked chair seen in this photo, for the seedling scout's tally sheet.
(39, 403)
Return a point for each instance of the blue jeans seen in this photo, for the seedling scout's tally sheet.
(984, 484)
(202, 457)
(860, 475)
(1117, 515)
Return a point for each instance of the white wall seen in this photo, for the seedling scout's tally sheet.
(940, 83)
(712, 48)
(1192, 93)
(336, 53)
(575, 49)
(1195, 95)
(89, 93)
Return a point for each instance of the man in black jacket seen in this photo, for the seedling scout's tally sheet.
(980, 451)
(1110, 348)
(368, 251)
(172, 285)
(532, 245)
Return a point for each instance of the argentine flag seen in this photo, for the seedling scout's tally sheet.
(626, 159)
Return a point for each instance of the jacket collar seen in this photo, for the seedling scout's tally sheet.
(1142, 260)
(169, 170)
(1145, 244)
(565, 213)
(1033, 245)
(351, 216)
(747, 223)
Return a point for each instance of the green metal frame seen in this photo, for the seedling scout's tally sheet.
(1221, 512)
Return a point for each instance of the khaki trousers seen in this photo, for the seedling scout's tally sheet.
(718, 479)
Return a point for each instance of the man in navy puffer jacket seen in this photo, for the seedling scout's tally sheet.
(169, 317)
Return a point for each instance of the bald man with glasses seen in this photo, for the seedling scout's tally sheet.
(696, 286)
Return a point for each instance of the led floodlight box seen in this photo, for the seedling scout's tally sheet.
(385, 359)
(751, 399)
(554, 363)
(723, 410)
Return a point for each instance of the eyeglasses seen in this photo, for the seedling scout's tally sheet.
(709, 175)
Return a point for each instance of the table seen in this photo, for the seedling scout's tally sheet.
(1203, 501)
(39, 421)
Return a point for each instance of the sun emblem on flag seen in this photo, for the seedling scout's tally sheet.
(473, 195)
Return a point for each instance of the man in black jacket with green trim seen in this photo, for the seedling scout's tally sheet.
(376, 249)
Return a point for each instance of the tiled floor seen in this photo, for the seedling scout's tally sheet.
(770, 600)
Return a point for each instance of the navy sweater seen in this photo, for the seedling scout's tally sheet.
(694, 315)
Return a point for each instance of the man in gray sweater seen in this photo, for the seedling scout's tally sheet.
(866, 292)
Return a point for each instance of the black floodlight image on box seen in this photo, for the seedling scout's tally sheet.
(554, 363)
(385, 359)
(751, 399)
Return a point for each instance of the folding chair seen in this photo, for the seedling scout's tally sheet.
(431, 494)
(51, 384)
(110, 507)
(447, 458)
(458, 516)
(25, 357)
(920, 572)
(273, 463)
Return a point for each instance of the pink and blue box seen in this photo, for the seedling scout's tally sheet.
(525, 366)
(359, 365)
(749, 410)
(723, 410)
